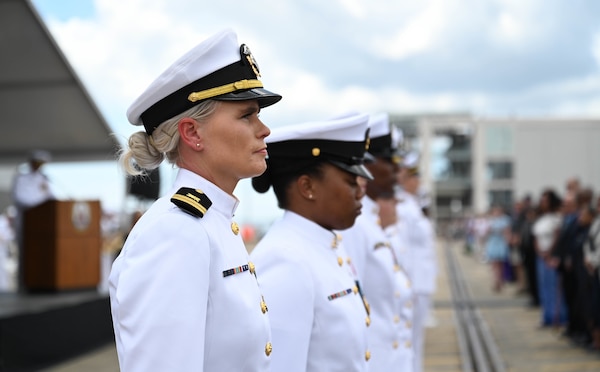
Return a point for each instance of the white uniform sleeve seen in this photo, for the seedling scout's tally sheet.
(162, 294)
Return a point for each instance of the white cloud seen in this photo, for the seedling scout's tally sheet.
(326, 57)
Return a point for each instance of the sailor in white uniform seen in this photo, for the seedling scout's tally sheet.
(318, 317)
(183, 292)
(383, 280)
(30, 188)
(418, 235)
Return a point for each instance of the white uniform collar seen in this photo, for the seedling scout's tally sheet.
(221, 201)
(309, 229)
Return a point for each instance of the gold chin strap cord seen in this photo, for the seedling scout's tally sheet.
(224, 89)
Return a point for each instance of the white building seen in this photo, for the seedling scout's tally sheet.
(469, 163)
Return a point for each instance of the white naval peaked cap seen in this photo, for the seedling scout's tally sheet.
(40, 155)
(397, 137)
(411, 162)
(351, 126)
(341, 141)
(380, 133)
(379, 125)
(218, 68)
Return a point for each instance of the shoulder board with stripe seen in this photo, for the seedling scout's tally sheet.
(192, 201)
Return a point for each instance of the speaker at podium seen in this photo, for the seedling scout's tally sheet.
(61, 245)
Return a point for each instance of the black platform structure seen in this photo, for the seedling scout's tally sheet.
(39, 330)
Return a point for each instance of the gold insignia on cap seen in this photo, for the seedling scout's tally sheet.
(367, 143)
(224, 89)
(316, 151)
(340, 261)
(268, 348)
(367, 355)
(235, 228)
(245, 51)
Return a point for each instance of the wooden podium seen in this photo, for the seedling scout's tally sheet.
(61, 245)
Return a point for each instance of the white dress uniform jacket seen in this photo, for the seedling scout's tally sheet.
(386, 287)
(318, 318)
(418, 235)
(31, 189)
(173, 306)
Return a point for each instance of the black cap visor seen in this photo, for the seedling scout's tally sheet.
(357, 169)
(264, 97)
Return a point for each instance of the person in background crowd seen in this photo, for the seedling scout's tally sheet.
(496, 247)
(380, 266)
(516, 256)
(481, 227)
(527, 247)
(582, 304)
(591, 253)
(183, 294)
(573, 186)
(318, 318)
(545, 230)
(564, 251)
(30, 188)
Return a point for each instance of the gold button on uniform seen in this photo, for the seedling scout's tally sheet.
(367, 355)
(397, 294)
(263, 306)
(235, 228)
(396, 267)
(268, 348)
(368, 321)
(395, 345)
(340, 261)
(396, 319)
(355, 289)
(251, 267)
(408, 344)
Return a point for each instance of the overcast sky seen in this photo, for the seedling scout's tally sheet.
(486, 57)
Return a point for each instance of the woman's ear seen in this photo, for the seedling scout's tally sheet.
(189, 133)
(306, 187)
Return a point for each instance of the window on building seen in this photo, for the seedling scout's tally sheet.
(500, 170)
(503, 198)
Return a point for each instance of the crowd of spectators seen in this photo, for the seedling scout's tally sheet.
(550, 248)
